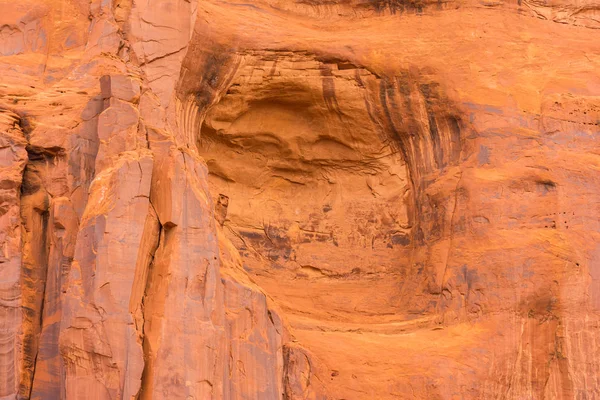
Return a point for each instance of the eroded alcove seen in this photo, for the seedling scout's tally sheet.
(328, 170)
(336, 178)
(318, 197)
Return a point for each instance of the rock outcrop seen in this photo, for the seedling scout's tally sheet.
(359, 199)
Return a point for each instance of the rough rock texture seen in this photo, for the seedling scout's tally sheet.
(299, 199)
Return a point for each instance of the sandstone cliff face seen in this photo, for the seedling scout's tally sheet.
(299, 199)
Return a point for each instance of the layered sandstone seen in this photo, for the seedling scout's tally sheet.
(299, 199)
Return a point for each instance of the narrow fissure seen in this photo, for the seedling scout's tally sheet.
(149, 278)
(35, 217)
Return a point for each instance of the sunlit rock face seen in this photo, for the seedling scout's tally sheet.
(299, 199)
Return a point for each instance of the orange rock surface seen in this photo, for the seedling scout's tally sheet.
(299, 199)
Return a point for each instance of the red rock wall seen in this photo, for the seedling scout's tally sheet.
(299, 199)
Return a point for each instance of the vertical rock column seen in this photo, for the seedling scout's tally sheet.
(62, 233)
(99, 341)
(13, 158)
(183, 306)
(66, 206)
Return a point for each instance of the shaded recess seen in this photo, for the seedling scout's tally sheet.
(327, 168)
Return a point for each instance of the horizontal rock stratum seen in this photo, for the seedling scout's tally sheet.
(299, 199)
